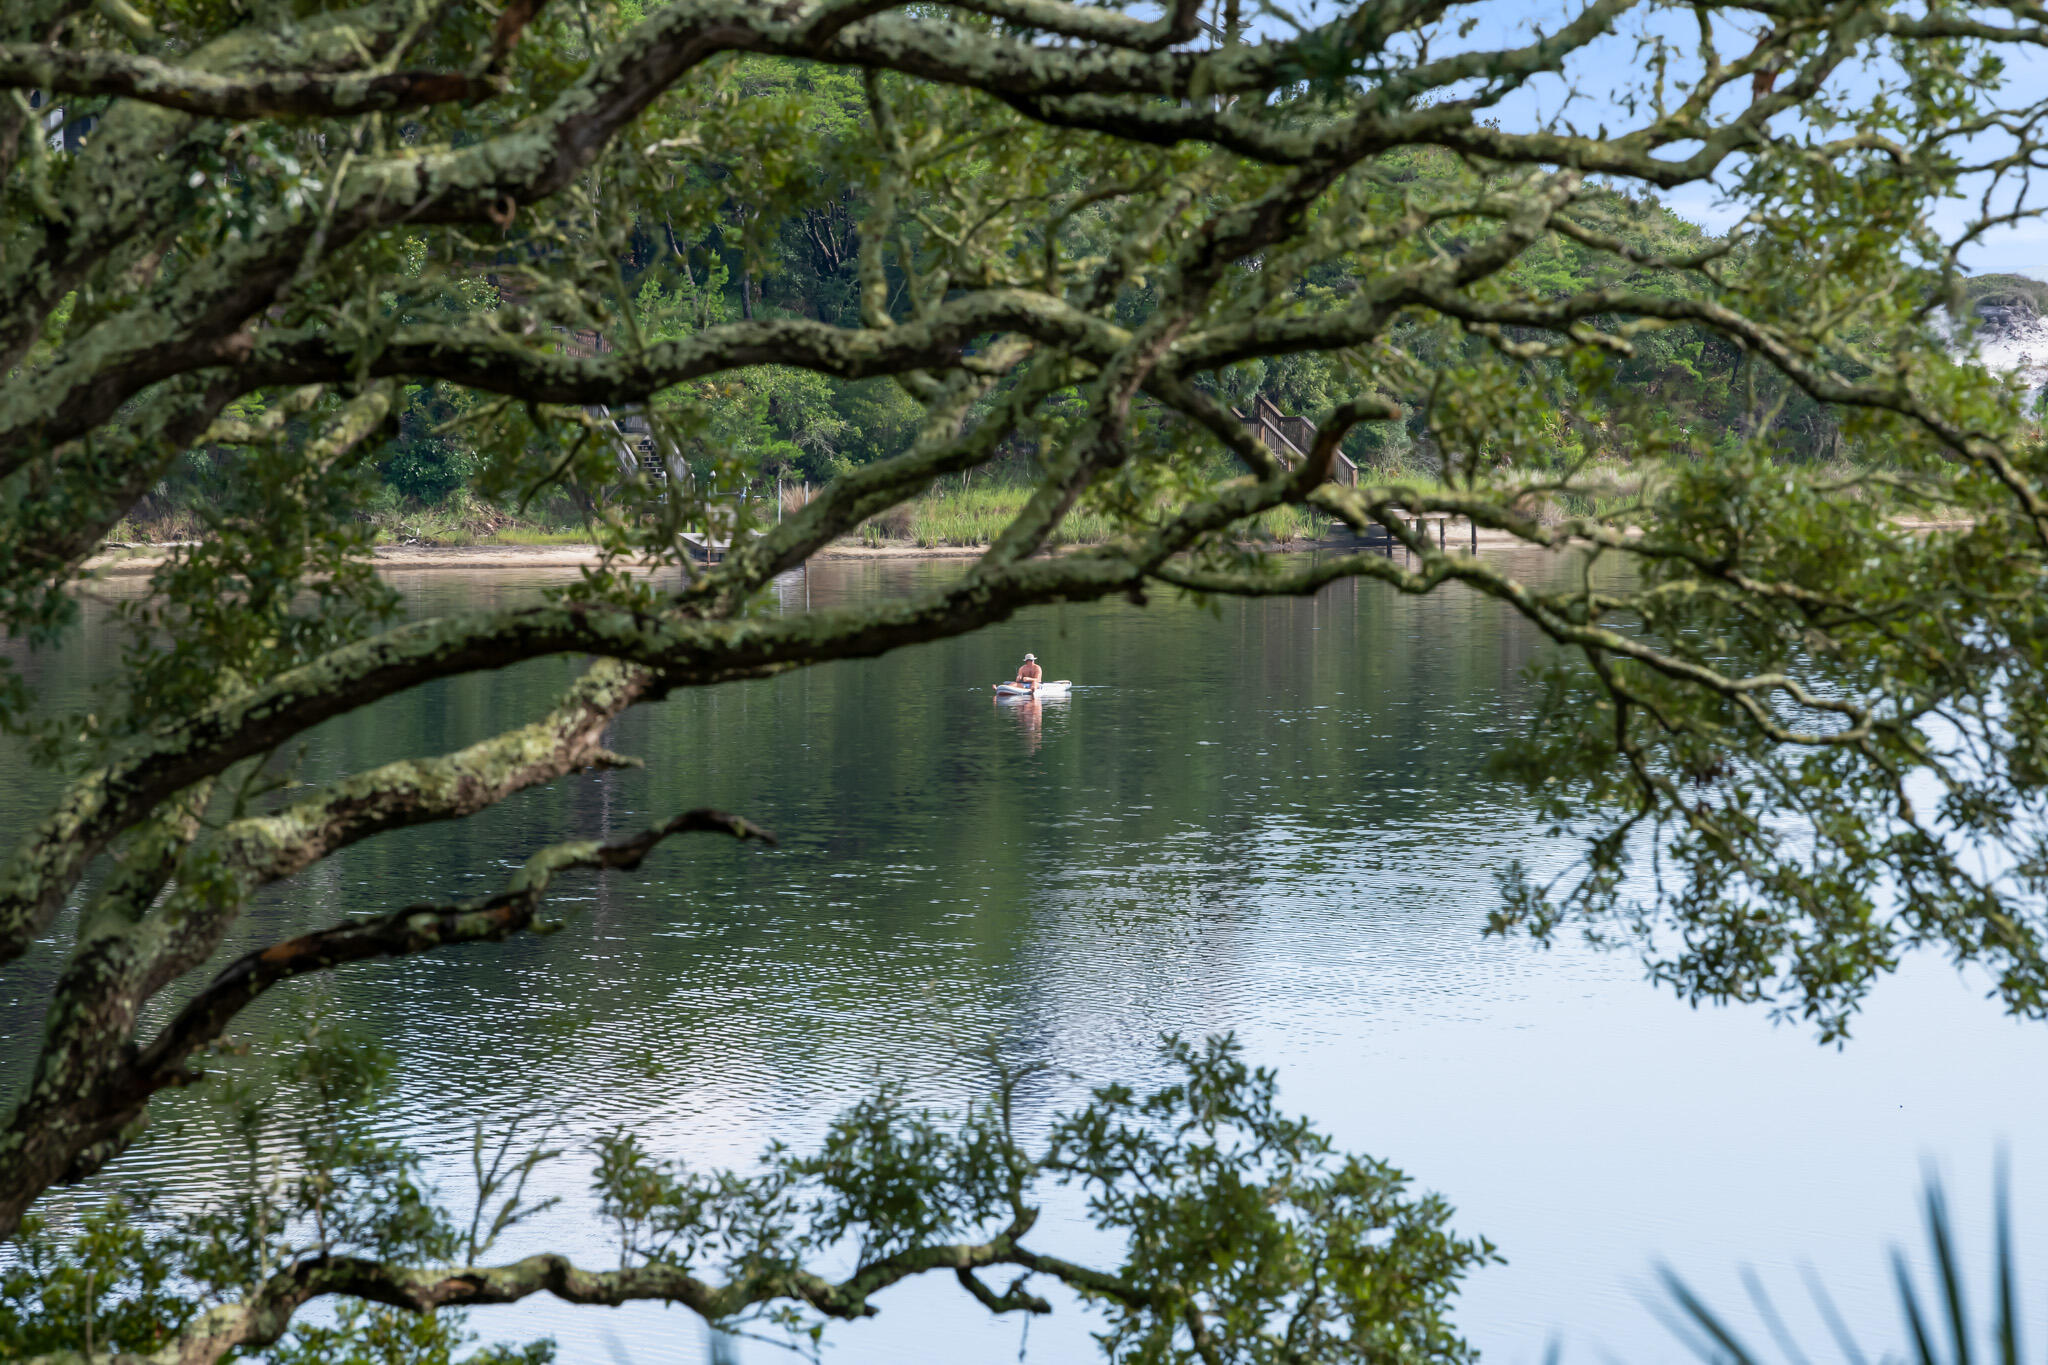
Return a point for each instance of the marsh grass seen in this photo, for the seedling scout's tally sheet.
(795, 497)
(951, 517)
(149, 525)
(1286, 525)
(464, 519)
(540, 535)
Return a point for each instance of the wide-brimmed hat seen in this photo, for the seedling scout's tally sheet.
(1030, 658)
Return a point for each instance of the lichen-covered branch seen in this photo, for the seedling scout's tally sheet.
(415, 929)
(496, 363)
(88, 1097)
(1300, 1243)
(243, 95)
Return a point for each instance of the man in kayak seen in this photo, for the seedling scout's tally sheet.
(1030, 672)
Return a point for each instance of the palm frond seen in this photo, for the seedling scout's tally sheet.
(1940, 1330)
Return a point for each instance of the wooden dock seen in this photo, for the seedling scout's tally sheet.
(1425, 524)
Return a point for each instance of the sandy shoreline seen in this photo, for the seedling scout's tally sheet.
(138, 559)
(141, 559)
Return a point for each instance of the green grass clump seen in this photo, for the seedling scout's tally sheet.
(977, 515)
(540, 535)
(1285, 525)
(463, 519)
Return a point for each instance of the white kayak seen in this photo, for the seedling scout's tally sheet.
(1045, 689)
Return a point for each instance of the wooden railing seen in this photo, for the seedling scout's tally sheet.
(1290, 437)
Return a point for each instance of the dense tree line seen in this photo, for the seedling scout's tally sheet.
(799, 257)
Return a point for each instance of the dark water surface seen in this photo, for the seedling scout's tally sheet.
(1269, 818)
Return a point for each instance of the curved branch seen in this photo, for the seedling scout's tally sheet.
(133, 177)
(46, 1140)
(1181, 23)
(263, 1317)
(496, 362)
(83, 1102)
(253, 852)
(402, 933)
(1750, 693)
(241, 95)
(875, 487)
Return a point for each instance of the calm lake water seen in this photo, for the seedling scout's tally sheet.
(1270, 818)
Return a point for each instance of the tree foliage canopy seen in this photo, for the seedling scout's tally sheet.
(1798, 736)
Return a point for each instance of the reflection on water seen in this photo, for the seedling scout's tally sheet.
(1269, 817)
(1029, 714)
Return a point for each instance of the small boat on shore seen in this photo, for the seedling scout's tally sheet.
(1007, 690)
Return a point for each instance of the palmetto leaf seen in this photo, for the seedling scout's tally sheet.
(1967, 1338)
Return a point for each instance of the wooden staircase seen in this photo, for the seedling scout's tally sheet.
(1290, 437)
